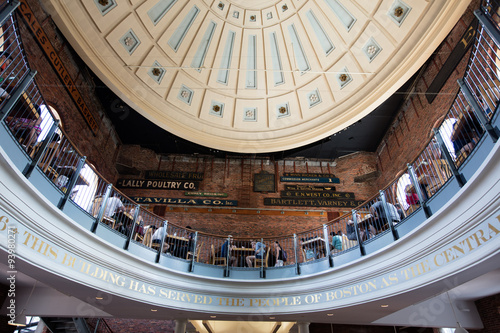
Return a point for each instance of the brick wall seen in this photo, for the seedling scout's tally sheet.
(489, 310)
(100, 149)
(412, 127)
(231, 176)
(140, 326)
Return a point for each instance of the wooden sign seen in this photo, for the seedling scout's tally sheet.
(313, 175)
(299, 187)
(173, 175)
(312, 202)
(264, 182)
(317, 194)
(157, 184)
(58, 65)
(206, 194)
(309, 180)
(184, 201)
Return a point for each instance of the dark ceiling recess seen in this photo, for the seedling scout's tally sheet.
(364, 135)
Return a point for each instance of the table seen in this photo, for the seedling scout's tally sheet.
(318, 244)
(68, 171)
(241, 254)
(179, 246)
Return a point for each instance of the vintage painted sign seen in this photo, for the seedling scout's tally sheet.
(317, 194)
(309, 179)
(157, 184)
(313, 175)
(312, 202)
(58, 65)
(184, 201)
(173, 175)
(206, 194)
(299, 187)
(264, 182)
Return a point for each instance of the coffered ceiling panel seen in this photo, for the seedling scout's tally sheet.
(255, 76)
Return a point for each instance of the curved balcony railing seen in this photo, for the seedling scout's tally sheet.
(35, 142)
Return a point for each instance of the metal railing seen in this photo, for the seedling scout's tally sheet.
(36, 129)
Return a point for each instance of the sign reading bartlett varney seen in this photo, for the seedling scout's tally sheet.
(157, 184)
(264, 182)
(184, 201)
(312, 202)
(173, 175)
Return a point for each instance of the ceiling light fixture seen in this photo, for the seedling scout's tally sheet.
(458, 329)
(384, 306)
(329, 314)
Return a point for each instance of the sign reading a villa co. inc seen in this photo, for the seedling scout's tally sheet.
(185, 201)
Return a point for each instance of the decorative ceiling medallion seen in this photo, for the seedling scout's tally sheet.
(399, 11)
(313, 98)
(284, 7)
(156, 72)
(250, 114)
(185, 95)
(220, 6)
(253, 18)
(344, 78)
(269, 15)
(236, 14)
(371, 49)
(282, 111)
(130, 41)
(217, 109)
(105, 6)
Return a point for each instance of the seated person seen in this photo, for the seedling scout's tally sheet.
(336, 242)
(366, 230)
(259, 252)
(380, 215)
(400, 212)
(183, 248)
(411, 195)
(5, 61)
(226, 249)
(139, 223)
(310, 252)
(278, 257)
(156, 239)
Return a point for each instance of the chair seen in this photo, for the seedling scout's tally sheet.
(148, 235)
(264, 261)
(197, 254)
(219, 261)
(47, 158)
(305, 257)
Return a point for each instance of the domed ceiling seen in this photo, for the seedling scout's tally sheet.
(255, 76)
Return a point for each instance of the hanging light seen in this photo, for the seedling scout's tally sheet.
(458, 329)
